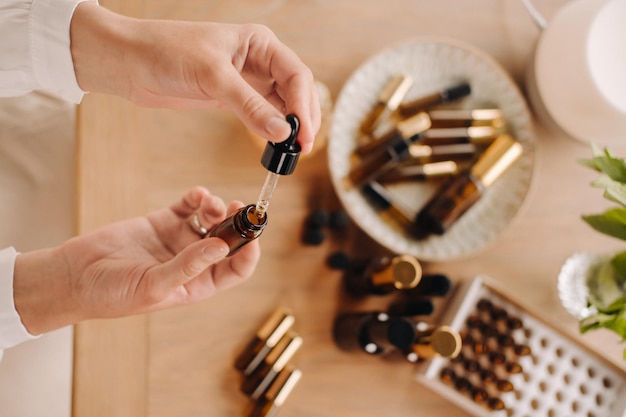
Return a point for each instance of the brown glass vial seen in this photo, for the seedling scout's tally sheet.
(383, 275)
(256, 384)
(240, 228)
(273, 399)
(395, 150)
(458, 195)
(388, 101)
(410, 108)
(265, 339)
(419, 123)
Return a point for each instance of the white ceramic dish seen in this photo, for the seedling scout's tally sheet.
(434, 64)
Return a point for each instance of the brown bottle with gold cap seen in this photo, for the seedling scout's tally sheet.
(457, 195)
(388, 101)
(264, 340)
(435, 341)
(383, 275)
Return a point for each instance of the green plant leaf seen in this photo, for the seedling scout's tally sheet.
(612, 222)
(606, 163)
(618, 262)
(604, 291)
(614, 322)
(613, 190)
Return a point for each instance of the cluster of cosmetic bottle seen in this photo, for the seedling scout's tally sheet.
(425, 139)
(268, 375)
(403, 328)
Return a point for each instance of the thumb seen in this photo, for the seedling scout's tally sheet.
(185, 266)
(257, 113)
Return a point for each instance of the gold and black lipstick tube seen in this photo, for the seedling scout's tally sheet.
(265, 339)
(458, 195)
(388, 100)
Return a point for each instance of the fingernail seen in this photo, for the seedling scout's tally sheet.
(215, 250)
(278, 128)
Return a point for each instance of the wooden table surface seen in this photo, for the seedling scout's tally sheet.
(180, 362)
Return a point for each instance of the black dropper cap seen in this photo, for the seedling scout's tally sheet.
(456, 92)
(281, 158)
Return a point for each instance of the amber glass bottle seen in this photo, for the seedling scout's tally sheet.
(460, 193)
(383, 275)
(242, 227)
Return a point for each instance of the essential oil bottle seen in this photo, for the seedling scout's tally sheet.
(388, 101)
(361, 331)
(394, 150)
(383, 275)
(240, 228)
(465, 189)
(247, 223)
(435, 341)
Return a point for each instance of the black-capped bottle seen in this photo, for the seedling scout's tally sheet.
(240, 228)
(358, 331)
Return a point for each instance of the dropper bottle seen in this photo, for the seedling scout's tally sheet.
(247, 223)
(279, 159)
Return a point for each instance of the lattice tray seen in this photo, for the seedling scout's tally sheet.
(537, 370)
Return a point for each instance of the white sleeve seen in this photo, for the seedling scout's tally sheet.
(12, 331)
(35, 48)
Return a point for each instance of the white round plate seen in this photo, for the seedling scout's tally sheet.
(434, 64)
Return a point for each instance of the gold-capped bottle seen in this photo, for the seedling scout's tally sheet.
(256, 384)
(459, 194)
(435, 341)
(276, 395)
(388, 101)
(383, 275)
(264, 340)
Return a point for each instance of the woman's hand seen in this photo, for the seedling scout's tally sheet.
(165, 63)
(130, 267)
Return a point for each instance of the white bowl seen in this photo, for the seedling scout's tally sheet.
(434, 64)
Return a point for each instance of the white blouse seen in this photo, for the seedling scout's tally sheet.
(34, 56)
(35, 48)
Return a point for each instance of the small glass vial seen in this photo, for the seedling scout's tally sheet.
(388, 101)
(241, 228)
